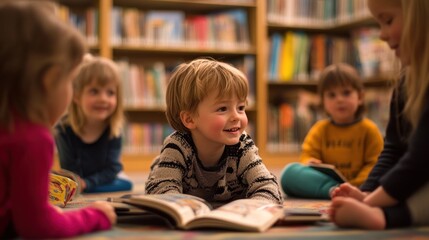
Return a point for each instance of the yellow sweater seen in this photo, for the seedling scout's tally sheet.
(353, 149)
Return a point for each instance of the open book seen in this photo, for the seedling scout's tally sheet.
(190, 212)
(329, 170)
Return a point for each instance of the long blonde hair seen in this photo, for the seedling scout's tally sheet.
(192, 82)
(32, 41)
(415, 51)
(101, 71)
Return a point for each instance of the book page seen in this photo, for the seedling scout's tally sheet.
(181, 207)
(243, 214)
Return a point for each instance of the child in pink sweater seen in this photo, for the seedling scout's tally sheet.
(39, 55)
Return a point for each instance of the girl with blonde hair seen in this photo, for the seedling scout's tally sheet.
(89, 138)
(39, 56)
(397, 189)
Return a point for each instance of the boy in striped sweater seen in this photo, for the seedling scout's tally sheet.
(210, 155)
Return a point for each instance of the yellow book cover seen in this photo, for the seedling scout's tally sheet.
(63, 186)
(286, 66)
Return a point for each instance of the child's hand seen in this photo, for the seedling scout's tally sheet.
(58, 209)
(82, 184)
(107, 209)
(380, 198)
(314, 161)
(348, 190)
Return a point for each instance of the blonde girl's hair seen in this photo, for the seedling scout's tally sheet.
(32, 41)
(100, 71)
(191, 82)
(415, 51)
(341, 75)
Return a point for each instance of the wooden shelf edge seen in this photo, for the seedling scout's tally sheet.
(334, 26)
(190, 4)
(141, 163)
(184, 50)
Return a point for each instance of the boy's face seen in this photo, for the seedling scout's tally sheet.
(341, 103)
(388, 14)
(219, 121)
(98, 102)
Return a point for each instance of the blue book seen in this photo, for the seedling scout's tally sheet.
(165, 27)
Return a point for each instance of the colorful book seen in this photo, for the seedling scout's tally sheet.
(189, 212)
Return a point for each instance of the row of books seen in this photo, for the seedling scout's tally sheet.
(227, 29)
(315, 13)
(86, 21)
(289, 121)
(377, 106)
(374, 57)
(298, 56)
(147, 138)
(145, 85)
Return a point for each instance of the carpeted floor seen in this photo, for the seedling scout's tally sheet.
(157, 228)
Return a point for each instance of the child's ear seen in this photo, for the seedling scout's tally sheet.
(50, 77)
(187, 119)
(75, 98)
(361, 97)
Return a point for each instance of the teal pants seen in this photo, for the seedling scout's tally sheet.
(298, 180)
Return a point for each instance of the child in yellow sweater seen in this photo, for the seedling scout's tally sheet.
(346, 140)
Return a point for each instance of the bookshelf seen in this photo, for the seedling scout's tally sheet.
(140, 55)
(309, 36)
(261, 23)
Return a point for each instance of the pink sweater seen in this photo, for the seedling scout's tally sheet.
(26, 157)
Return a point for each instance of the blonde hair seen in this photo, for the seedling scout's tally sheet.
(341, 75)
(415, 51)
(102, 71)
(32, 41)
(192, 82)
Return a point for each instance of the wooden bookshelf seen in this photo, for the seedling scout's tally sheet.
(260, 28)
(344, 27)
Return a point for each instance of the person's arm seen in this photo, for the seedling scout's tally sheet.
(262, 184)
(380, 198)
(312, 146)
(393, 148)
(111, 165)
(372, 147)
(33, 215)
(410, 173)
(168, 169)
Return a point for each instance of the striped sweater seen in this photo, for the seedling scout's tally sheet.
(239, 174)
